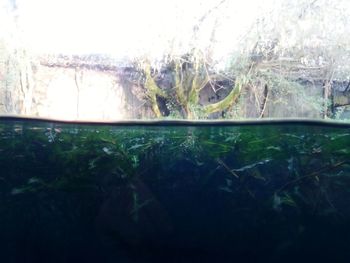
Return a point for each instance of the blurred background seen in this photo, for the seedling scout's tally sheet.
(217, 59)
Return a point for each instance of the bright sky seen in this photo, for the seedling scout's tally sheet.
(127, 27)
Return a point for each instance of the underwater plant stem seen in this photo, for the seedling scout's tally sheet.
(227, 168)
(314, 174)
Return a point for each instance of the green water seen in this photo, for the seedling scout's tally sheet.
(178, 192)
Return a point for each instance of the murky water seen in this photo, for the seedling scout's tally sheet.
(277, 192)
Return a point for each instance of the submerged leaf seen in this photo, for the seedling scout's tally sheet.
(277, 201)
(34, 180)
(137, 146)
(276, 148)
(107, 151)
(288, 200)
(291, 164)
(343, 151)
(285, 199)
(16, 191)
(247, 167)
(257, 175)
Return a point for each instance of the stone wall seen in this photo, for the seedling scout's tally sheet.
(75, 91)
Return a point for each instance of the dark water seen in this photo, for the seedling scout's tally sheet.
(276, 192)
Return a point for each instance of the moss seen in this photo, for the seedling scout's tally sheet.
(190, 76)
(153, 90)
(228, 101)
(188, 83)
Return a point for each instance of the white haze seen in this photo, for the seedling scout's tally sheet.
(132, 27)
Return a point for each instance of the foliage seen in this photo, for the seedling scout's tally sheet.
(282, 57)
(16, 80)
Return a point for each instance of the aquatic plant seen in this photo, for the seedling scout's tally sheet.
(144, 184)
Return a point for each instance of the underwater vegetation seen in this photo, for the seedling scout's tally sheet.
(174, 193)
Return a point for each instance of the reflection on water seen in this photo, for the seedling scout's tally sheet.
(173, 193)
